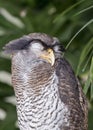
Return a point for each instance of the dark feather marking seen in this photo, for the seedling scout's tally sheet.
(18, 44)
(69, 87)
(62, 49)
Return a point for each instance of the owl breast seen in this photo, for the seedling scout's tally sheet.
(39, 106)
(45, 111)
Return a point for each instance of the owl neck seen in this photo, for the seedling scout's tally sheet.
(37, 88)
(32, 78)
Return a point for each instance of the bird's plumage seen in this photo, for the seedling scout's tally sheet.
(49, 96)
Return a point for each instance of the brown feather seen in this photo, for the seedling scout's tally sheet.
(71, 94)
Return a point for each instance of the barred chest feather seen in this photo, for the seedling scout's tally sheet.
(48, 95)
(43, 112)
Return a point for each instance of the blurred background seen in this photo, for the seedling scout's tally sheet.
(69, 20)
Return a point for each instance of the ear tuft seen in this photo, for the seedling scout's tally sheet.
(16, 45)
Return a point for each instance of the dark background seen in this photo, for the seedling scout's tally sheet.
(69, 20)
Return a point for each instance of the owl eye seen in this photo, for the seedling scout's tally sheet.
(37, 46)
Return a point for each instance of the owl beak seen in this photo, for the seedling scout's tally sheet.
(49, 56)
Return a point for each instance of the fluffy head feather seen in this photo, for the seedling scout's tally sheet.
(24, 42)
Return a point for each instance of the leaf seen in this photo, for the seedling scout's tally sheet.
(91, 91)
(87, 85)
(88, 23)
(5, 64)
(9, 122)
(90, 119)
(91, 70)
(91, 79)
(84, 54)
(14, 20)
(84, 10)
(89, 82)
(67, 11)
(5, 90)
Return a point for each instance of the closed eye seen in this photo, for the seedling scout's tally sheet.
(36, 46)
(58, 47)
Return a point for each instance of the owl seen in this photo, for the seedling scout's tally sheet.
(48, 94)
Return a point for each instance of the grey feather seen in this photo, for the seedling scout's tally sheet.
(16, 45)
(48, 97)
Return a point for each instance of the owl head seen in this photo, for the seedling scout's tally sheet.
(36, 46)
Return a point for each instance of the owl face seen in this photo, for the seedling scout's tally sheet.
(40, 50)
(36, 46)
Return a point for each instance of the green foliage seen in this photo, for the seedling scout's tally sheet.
(70, 21)
(89, 82)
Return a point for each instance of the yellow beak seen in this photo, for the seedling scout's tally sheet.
(49, 56)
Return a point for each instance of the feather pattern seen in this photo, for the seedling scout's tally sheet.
(48, 97)
(70, 87)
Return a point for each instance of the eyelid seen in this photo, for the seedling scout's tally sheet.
(45, 47)
(36, 45)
